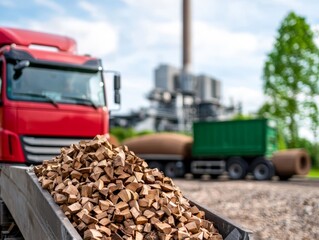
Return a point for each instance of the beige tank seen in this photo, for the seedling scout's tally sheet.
(291, 162)
(161, 143)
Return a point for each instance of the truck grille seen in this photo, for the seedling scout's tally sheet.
(37, 149)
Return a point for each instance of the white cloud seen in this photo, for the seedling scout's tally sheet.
(95, 37)
(226, 46)
(157, 34)
(50, 4)
(164, 9)
(92, 9)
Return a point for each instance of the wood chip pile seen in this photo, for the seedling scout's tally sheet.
(108, 192)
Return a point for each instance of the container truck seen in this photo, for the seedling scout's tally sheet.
(236, 147)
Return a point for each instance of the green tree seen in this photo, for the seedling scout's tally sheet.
(241, 116)
(122, 133)
(290, 77)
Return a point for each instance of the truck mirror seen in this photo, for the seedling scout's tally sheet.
(117, 82)
(117, 97)
(21, 65)
(18, 68)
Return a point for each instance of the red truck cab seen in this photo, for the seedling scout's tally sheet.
(50, 97)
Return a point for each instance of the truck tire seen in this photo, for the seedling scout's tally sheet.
(262, 169)
(174, 169)
(237, 168)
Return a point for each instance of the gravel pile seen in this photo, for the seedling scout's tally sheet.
(272, 210)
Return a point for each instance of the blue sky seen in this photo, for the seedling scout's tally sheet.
(230, 38)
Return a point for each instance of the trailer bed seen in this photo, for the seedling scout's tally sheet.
(39, 217)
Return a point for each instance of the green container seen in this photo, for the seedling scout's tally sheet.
(234, 138)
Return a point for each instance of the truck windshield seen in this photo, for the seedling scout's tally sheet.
(42, 84)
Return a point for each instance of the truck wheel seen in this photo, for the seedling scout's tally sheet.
(262, 169)
(174, 169)
(237, 168)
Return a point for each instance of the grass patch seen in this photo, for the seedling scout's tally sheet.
(314, 173)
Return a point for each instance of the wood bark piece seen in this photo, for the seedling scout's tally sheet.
(182, 235)
(147, 227)
(87, 219)
(141, 220)
(105, 230)
(104, 205)
(163, 227)
(133, 186)
(104, 221)
(99, 184)
(72, 199)
(92, 233)
(59, 187)
(70, 190)
(139, 236)
(148, 214)
(60, 198)
(75, 174)
(135, 212)
(75, 207)
(191, 227)
(88, 206)
(121, 206)
(86, 191)
(125, 195)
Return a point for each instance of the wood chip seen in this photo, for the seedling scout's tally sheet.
(92, 234)
(75, 207)
(163, 227)
(125, 195)
(87, 219)
(141, 220)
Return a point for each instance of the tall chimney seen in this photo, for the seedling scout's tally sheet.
(186, 36)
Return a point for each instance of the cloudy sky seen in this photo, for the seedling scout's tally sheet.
(230, 37)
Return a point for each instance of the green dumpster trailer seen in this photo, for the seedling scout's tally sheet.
(237, 147)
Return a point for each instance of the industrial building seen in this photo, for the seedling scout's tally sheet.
(176, 104)
(179, 97)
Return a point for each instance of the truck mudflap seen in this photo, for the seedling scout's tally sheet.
(33, 208)
(39, 217)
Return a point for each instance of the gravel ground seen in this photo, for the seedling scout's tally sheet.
(272, 210)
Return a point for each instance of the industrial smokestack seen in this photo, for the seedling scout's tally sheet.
(186, 36)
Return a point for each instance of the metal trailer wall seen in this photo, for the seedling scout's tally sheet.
(226, 227)
(33, 208)
(232, 138)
